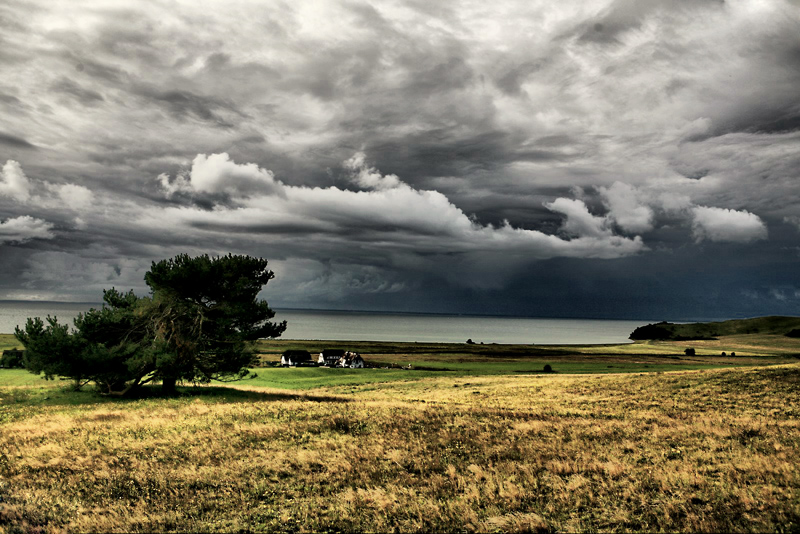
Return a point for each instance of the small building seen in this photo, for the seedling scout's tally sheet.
(357, 362)
(353, 360)
(296, 357)
(329, 357)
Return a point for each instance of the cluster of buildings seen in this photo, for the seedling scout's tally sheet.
(327, 358)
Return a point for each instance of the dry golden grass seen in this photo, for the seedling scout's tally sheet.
(714, 450)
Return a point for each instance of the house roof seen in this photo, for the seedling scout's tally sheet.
(297, 354)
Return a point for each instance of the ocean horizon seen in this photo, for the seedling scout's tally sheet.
(355, 325)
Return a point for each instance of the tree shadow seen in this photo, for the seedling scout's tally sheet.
(231, 394)
(66, 396)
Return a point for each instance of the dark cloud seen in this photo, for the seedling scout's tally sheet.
(298, 229)
(510, 81)
(102, 72)
(460, 153)
(694, 174)
(254, 139)
(769, 121)
(558, 159)
(626, 15)
(655, 287)
(185, 105)
(85, 96)
(440, 152)
(14, 141)
(10, 100)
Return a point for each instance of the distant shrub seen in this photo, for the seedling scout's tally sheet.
(794, 333)
(548, 368)
(470, 342)
(723, 353)
(689, 352)
(12, 359)
(652, 331)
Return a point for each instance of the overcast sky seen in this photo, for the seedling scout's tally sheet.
(629, 158)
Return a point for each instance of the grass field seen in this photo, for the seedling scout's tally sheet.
(8, 341)
(620, 438)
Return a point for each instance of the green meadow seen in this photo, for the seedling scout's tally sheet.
(394, 361)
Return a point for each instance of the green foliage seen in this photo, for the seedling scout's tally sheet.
(653, 331)
(12, 359)
(196, 326)
(222, 290)
(109, 346)
(204, 311)
(52, 350)
(690, 331)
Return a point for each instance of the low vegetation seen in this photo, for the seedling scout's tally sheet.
(775, 325)
(707, 450)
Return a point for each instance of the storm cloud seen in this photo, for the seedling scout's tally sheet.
(401, 155)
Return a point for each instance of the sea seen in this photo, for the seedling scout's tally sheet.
(382, 326)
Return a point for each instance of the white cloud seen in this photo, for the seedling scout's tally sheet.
(674, 202)
(74, 197)
(638, 209)
(793, 220)
(579, 221)
(410, 229)
(626, 207)
(218, 174)
(14, 183)
(25, 228)
(778, 294)
(181, 184)
(369, 177)
(726, 225)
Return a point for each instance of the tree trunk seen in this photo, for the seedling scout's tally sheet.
(168, 385)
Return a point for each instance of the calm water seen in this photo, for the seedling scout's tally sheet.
(364, 326)
(13, 313)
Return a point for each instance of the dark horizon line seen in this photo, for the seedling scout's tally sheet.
(439, 314)
(451, 314)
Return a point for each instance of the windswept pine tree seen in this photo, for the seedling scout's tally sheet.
(195, 326)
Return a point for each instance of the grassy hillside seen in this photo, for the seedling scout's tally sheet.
(710, 450)
(8, 341)
(775, 325)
